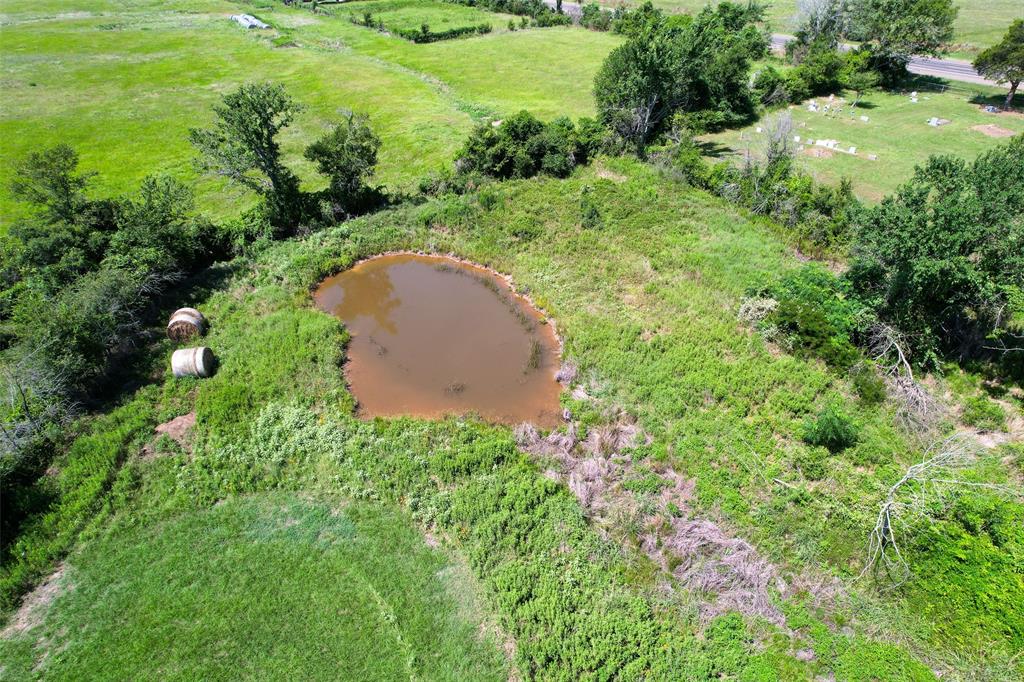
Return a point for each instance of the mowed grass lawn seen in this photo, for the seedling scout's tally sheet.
(123, 85)
(897, 133)
(979, 24)
(270, 587)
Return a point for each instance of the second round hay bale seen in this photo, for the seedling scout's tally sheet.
(193, 362)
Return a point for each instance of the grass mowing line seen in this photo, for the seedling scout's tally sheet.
(268, 585)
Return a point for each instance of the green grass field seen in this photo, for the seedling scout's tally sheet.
(646, 305)
(285, 538)
(412, 14)
(269, 586)
(897, 133)
(979, 24)
(124, 85)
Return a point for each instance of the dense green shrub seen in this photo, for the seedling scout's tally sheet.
(522, 146)
(696, 66)
(942, 260)
(867, 384)
(983, 413)
(831, 429)
(816, 314)
(595, 18)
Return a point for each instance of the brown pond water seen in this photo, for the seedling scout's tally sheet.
(433, 336)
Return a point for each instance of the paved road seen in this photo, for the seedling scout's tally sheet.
(953, 69)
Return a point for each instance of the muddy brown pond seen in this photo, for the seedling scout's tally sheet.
(433, 336)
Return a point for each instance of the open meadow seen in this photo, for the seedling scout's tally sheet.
(751, 458)
(126, 84)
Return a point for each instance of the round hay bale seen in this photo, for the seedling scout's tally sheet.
(186, 323)
(193, 362)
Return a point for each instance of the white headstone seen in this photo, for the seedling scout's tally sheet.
(796, 138)
(759, 129)
(864, 118)
(853, 150)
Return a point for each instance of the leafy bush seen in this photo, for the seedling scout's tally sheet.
(868, 386)
(522, 146)
(695, 66)
(816, 315)
(831, 429)
(595, 18)
(984, 414)
(941, 261)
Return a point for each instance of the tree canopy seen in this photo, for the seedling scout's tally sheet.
(1004, 62)
(699, 66)
(942, 260)
(896, 30)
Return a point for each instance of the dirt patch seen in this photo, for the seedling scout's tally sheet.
(177, 429)
(819, 153)
(993, 130)
(36, 603)
(606, 174)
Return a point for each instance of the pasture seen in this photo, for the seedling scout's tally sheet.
(125, 84)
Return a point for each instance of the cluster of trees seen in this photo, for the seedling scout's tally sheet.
(242, 147)
(938, 267)
(890, 32)
(695, 66)
(81, 276)
(541, 14)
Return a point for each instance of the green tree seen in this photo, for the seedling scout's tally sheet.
(858, 76)
(942, 260)
(158, 231)
(346, 155)
(699, 66)
(50, 180)
(242, 147)
(1004, 62)
(897, 30)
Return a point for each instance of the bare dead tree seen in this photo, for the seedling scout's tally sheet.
(34, 399)
(917, 407)
(911, 497)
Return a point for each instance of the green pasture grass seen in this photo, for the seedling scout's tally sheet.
(267, 586)
(897, 132)
(646, 306)
(412, 14)
(123, 85)
(979, 24)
